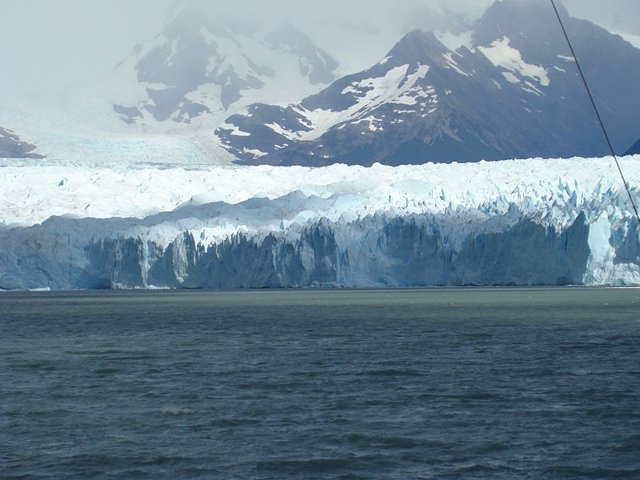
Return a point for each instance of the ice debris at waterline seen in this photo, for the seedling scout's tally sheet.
(520, 222)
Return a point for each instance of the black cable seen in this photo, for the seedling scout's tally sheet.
(595, 107)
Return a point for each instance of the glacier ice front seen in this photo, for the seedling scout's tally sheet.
(524, 222)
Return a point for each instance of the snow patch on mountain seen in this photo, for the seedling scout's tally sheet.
(401, 85)
(502, 54)
(453, 64)
(396, 86)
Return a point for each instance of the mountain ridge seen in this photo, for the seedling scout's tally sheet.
(634, 150)
(505, 97)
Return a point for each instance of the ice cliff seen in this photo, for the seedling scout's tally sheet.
(524, 222)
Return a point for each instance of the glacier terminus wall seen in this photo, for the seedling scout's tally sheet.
(524, 222)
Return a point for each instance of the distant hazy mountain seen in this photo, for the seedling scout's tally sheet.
(204, 65)
(11, 146)
(512, 91)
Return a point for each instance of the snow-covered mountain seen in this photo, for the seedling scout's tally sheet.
(161, 104)
(204, 66)
(507, 89)
(518, 222)
(12, 146)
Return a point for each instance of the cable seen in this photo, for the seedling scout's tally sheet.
(595, 107)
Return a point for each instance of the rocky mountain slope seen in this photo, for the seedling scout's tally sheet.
(513, 91)
(634, 150)
(11, 146)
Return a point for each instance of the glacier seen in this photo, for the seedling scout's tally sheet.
(515, 222)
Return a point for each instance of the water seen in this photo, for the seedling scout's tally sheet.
(392, 384)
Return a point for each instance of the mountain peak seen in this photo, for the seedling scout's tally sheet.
(515, 95)
(417, 45)
(533, 19)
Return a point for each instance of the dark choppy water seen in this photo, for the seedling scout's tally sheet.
(402, 384)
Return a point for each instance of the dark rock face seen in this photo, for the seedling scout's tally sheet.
(515, 94)
(11, 146)
(634, 150)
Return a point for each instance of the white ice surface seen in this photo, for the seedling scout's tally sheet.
(31, 192)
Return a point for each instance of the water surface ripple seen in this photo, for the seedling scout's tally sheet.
(390, 384)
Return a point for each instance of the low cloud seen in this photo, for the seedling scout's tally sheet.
(54, 42)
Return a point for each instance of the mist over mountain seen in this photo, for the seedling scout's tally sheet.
(203, 64)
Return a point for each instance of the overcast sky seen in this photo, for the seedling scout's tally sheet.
(49, 41)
